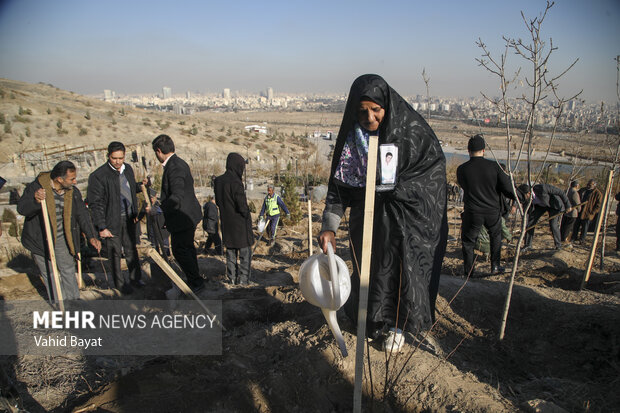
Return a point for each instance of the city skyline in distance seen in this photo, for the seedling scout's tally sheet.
(139, 47)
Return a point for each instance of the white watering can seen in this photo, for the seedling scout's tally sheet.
(324, 281)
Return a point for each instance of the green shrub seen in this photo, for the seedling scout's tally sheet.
(7, 127)
(2, 118)
(291, 199)
(252, 207)
(83, 131)
(14, 230)
(23, 111)
(19, 118)
(8, 215)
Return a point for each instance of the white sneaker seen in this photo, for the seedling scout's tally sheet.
(395, 341)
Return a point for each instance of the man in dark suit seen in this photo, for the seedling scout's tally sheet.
(236, 220)
(547, 198)
(211, 224)
(114, 210)
(483, 183)
(181, 209)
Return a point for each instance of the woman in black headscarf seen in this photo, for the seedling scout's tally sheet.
(410, 221)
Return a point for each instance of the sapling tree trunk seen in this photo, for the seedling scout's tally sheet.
(539, 84)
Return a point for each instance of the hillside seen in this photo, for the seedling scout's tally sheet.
(43, 124)
(561, 352)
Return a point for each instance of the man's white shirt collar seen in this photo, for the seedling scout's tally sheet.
(167, 159)
(119, 170)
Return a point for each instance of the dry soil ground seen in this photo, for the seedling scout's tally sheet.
(561, 349)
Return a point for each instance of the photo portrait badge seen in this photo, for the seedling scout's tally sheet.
(388, 157)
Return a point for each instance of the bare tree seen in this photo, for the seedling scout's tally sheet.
(616, 157)
(540, 84)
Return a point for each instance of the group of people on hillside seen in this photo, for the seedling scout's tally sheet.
(111, 219)
(487, 188)
(410, 212)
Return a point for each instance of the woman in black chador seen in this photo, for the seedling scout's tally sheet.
(410, 221)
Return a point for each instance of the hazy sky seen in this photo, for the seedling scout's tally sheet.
(293, 46)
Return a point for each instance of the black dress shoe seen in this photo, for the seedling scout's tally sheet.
(137, 283)
(126, 289)
(497, 269)
(198, 287)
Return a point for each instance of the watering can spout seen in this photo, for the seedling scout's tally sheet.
(332, 322)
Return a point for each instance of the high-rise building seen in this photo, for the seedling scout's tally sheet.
(108, 94)
(166, 92)
(269, 95)
(226, 94)
(188, 95)
(571, 105)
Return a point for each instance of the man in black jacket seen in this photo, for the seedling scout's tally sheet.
(483, 181)
(68, 219)
(182, 211)
(236, 220)
(547, 198)
(211, 223)
(114, 209)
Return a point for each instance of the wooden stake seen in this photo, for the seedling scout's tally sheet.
(159, 260)
(79, 271)
(309, 227)
(605, 217)
(50, 246)
(147, 199)
(369, 212)
(586, 275)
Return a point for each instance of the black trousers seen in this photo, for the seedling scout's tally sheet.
(533, 218)
(582, 225)
(184, 251)
(471, 224)
(567, 227)
(124, 242)
(214, 239)
(618, 234)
